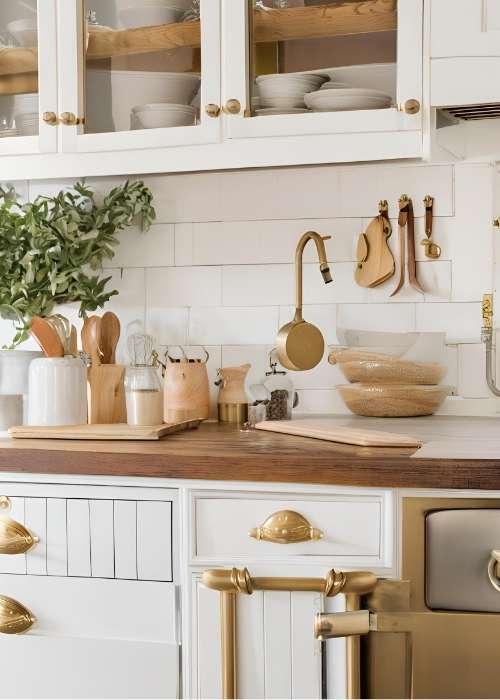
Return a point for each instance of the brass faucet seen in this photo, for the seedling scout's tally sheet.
(323, 262)
(487, 339)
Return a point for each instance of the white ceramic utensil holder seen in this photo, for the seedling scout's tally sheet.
(57, 391)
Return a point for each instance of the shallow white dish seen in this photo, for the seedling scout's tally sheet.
(292, 102)
(268, 111)
(333, 85)
(24, 32)
(149, 16)
(380, 76)
(160, 116)
(345, 100)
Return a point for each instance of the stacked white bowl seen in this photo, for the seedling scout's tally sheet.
(285, 91)
(159, 116)
(149, 13)
(337, 97)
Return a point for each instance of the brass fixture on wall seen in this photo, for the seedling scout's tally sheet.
(487, 339)
(300, 345)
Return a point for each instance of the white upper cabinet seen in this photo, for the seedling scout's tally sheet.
(28, 78)
(135, 86)
(465, 52)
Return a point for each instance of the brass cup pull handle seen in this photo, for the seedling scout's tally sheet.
(14, 617)
(213, 110)
(14, 537)
(411, 106)
(494, 569)
(286, 527)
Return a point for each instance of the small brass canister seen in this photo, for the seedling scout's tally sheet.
(233, 412)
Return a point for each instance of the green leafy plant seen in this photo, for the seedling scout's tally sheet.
(51, 248)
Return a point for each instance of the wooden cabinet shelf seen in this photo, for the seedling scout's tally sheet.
(360, 17)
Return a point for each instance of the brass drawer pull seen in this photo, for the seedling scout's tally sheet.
(286, 527)
(14, 617)
(14, 537)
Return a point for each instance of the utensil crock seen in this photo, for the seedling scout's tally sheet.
(57, 391)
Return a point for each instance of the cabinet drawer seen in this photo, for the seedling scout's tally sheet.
(86, 633)
(97, 536)
(350, 527)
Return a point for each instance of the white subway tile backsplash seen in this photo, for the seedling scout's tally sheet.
(462, 322)
(257, 285)
(217, 267)
(377, 317)
(233, 326)
(183, 286)
(145, 249)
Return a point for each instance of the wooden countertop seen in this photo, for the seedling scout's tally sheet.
(217, 452)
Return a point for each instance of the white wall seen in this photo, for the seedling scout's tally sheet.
(216, 269)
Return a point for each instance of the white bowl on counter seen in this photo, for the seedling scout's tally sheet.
(346, 99)
(149, 16)
(160, 116)
(24, 31)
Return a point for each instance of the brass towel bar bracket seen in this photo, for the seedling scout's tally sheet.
(230, 582)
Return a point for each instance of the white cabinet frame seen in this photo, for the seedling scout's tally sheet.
(46, 141)
(72, 94)
(387, 133)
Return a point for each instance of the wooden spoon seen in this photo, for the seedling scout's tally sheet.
(46, 337)
(91, 335)
(110, 335)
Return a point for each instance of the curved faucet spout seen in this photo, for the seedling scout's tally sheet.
(323, 265)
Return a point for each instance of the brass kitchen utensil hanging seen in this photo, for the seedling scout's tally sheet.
(406, 223)
(299, 344)
(375, 260)
(432, 250)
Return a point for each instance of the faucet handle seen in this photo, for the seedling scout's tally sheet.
(487, 310)
(325, 238)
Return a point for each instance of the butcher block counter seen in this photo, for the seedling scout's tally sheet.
(467, 449)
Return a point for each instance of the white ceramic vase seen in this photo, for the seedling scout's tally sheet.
(57, 391)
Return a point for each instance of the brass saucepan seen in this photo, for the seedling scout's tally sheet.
(300, 344)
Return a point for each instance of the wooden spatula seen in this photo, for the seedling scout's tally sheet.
(46, 337)
(91, 337)
(110, 335)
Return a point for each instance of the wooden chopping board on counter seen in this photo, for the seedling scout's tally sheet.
(101, 431)
(326, 429)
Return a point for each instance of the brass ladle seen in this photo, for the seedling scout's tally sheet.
(300, 344)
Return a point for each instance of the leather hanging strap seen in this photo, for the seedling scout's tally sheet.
(410, 237)
(402, 221)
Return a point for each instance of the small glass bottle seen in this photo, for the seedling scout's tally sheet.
(143, 389)
(282, 395)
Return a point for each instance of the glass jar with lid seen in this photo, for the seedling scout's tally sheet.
(143, 387)
(282, 396)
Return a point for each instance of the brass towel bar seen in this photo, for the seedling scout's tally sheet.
(230, 582)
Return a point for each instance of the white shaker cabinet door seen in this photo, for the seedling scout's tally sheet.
(277, 656)
(465, 52)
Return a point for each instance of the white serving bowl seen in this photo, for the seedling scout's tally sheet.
(345, 99)
(290, 81)
(24, 32)
(333, 85)
(149, 16)
(160, 116)
(292, 102)
(121, 90)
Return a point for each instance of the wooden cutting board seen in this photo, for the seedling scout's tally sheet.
(325, 429)
(375, 260)
(102, 431)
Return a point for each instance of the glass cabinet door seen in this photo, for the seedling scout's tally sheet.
(139, 73)
(303, 67)
(28, 89)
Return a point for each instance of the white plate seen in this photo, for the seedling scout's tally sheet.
(283, 102)
(344, 100)
(313, 76)
(380, 76)
(274, 110)
(332, 85)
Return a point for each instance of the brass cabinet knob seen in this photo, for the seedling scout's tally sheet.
(70, 119)
(50, 118)
(213, 110)
(14, 617)
(286, 527)
(232, 107)
(411, 106)
(14, 537)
